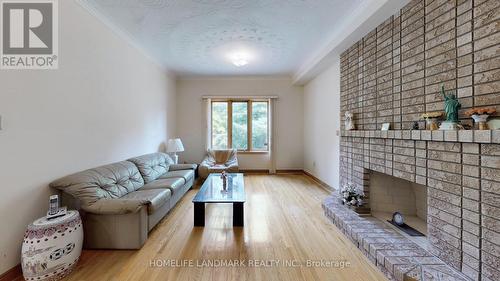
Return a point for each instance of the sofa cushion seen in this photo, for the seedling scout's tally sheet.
(153, 165)
(155, 197)
(173, 184)
(109, 181)
(187, 175)
(170, 183)
(175, 167)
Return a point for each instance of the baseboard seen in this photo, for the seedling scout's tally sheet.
(290, 171)
(255, 171)
(12, 274)
(266, 172)
(320, 182)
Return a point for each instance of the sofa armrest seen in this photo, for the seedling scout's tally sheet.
(203, 168)
(115, 206)
(176, 167)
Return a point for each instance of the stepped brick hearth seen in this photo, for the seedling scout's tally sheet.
(393, 75)
(394, 254)
(463, 187)
(463, 182)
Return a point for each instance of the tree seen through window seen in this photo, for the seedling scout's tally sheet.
(240, 124)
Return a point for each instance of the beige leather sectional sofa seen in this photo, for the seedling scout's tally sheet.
(121, 202)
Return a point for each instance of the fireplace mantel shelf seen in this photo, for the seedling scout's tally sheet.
(468, 136)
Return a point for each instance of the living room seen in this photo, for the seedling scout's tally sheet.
(250, 140)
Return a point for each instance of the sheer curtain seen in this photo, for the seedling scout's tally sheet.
(207, 121)
(272, 145)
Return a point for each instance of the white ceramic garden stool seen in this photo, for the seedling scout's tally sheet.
(51, 248)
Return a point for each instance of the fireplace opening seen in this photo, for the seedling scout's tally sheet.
(389, 194)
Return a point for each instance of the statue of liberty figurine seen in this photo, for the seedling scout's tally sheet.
(451, 107)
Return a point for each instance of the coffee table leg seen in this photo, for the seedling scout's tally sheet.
(199, 214)
(238, 214)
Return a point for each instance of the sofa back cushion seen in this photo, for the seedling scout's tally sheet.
(109, 181)
(153, 165)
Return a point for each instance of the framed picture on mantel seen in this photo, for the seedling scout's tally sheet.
(386, 126)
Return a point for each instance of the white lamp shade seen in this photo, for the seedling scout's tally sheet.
(175, 145)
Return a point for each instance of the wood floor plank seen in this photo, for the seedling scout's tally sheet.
(283, 221)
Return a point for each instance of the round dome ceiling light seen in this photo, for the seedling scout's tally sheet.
(239, 59)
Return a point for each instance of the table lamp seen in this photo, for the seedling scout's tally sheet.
(174, 146)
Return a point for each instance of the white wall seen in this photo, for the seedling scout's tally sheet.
(289, 117)
(321, 123)
(105, 103)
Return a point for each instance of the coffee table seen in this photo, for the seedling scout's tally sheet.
(212, 192)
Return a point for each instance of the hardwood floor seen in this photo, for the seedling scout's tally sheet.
(283, 221)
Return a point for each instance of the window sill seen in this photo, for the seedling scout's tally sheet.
(253, 152)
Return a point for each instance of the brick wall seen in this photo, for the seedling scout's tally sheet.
(394, 75)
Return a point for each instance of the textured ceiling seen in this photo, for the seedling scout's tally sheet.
(195, 37)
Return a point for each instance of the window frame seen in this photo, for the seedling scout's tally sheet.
(250, 149)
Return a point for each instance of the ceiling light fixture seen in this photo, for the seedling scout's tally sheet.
(239, 59)
(240, 62)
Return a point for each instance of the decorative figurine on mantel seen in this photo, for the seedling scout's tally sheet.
(451, 107)
(431, 119)
(480, 115)
(349, 123)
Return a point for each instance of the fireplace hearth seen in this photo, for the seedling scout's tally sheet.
(389, 194)
(397, 255)
(406, 229)
(447, 190)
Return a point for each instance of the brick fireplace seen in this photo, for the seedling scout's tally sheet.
(389, 194)
(463, 187)
(393, 75)
(462, 179)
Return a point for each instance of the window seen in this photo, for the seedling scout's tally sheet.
(240, 124)
(219, 125)
(259, 125)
